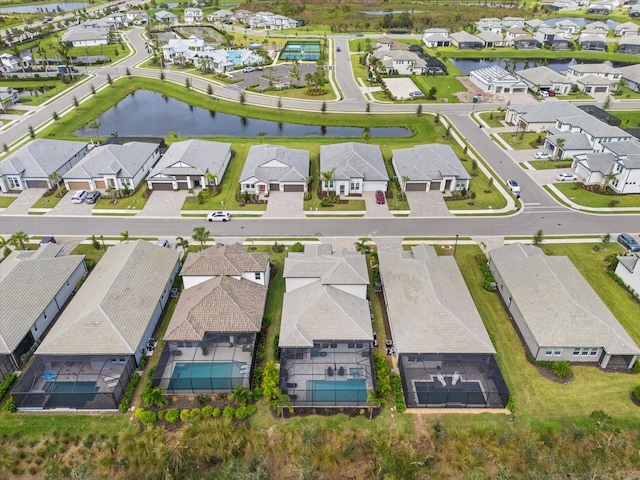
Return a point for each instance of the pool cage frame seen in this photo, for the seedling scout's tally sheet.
(430, 370)
(351, 362)
(36, 388)
(237, 348)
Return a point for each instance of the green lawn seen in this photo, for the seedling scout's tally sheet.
(275, 296)
(492, 118)
(50, 201)
(134, 202)
(360, 71)
(549, 164)
(52, 88)
(446, 85)
(630, 118)
(522, 141)
(579, 195)
(538, 401)
(88, 251)
(301, 93)
(6, 200)
(626, 92)
(575, 96)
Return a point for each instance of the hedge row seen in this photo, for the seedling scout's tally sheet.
(173, 415)
(7, 383)
(126, 400)
(398, 395)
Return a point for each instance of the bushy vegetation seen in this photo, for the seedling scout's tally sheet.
(7, 383)
(561, 369)
(125, 403)
(489, 283)
(398, 395)
(383, 375)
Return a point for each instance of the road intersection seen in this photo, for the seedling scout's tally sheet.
(540, 210)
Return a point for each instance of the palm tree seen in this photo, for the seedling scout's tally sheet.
(261, 135)
(4, 244)
(183, 243)
(154, 396)
(55, 180)
(327, 178)
(608, 178)
(18, 240)
(95, 126)
(175, 136)
(360, 245)
(559, 146)
(201, 234)
(124, 236)
(212, 181)
(374, 401)
(240, 395)
(281, 402)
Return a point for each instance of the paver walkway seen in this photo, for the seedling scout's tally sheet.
(285, 205)
(427, 204)
(22, 204)
(164, 203)
(373, 209)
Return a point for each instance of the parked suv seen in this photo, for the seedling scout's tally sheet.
(79, 196)
(628, 242)
(93, 196)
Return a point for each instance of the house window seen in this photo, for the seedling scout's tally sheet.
(333, 345)
(548, 352)
(351, 345)
(557, 352)
(355, 186)
(359, 345)
(576, 352)
(593, 352)
(460, 184)
(126, 182)
(251, 186)
(258, 275)
(14, 182)
(585, 352)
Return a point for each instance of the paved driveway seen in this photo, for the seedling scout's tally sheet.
(427, 204)
(65, 207)
(22, 204)
(544, 177)
(373, 209)
(164, 203)
(285, 205)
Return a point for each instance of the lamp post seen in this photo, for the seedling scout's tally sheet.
(455, 247)
(102, 238)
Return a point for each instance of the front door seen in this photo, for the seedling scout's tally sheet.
(342, 189)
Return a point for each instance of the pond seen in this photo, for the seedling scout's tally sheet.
(466, 65)
(580, 22)
(44, 7)
(151, 114)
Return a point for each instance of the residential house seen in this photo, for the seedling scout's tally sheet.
(193, 15)
(325, 331)
(434, 66)
(113, 167)
(618, 166)
(35, 285)
(445, 355)
(558, 314)
(436, 37)
(489, 25)
(211, 338)
(8, 97)
(190, 164)
(600, 8)
(628, 269)
(273, 168)
(166, 17)
(629, 44)
(545, 35)
(635, 11)
(626, 29)
(355, 168)
(509, 22)
(180, 47)
(89, 355)
(596, 84)
(9, 63)
(400, 62)
(31, 166)
(271, 21)
(137, 17)
(631, 75)
(465, 41)
(534, 23)
(512, 33)
(561, 43)
(497, 80)
(526, 42)
(593, 43)
(539, 117)
(88, 34)
(560, 5)
(599, 29)
(219, 15)
(567, 27)
(432, 167)
(492, 39)
(576, 72)
(544, 79)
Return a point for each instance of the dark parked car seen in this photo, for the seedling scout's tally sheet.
(629, 242)
(380, 197)
(93, 196)
(46, 240)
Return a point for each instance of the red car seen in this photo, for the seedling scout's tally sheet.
(380, 197)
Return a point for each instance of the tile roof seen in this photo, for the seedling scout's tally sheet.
(597, 162)
(353, 160)
(28, 284)
(428, 162)
(230, 260)
(270, 163)
(123, 161)
(40, 158)
(221, 304)
(557, 304)
(430, 308)
(541, 76)
(332, 269)
(193, 157)
(111, 312)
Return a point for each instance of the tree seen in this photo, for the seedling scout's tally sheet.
(109, 80)
(187, 83)
(124, 235)
(183, 243)
(127, 72)
(201, 234)
(374, 401)
(209, 89)
(281, 402)
(55, 179)
(323, 107)
(432, 93)
(32, 132)
(55, 117)
(279, 102)
(75, 102)
(240, 396)
(327, 178)
(93, 89)
(18, 240)
(559, 146)
(174, 136)
(361, 246)
(162, 76)
(419, 110)
(95, 126)
(212, 180)
(4, 244)
(242, 98)
(368, 107)
(261, 135)
(605, 239)
(538, 238)
(154, 396)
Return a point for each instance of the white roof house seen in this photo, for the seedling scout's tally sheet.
(559, 315)
(544, 78)
(497, 80)
(270, 167)
(436, 37)
(166, 17)
(86, 36)
(356, 167)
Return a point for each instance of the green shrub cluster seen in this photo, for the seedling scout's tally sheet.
(383, 375)
(560, 369)
(10, 405)
(276, 347)
(398, 395)
(7, 383)
(489, 282)
(330, 200)
(125, 403)
(296, 247)
(620, 282)
(147, 417)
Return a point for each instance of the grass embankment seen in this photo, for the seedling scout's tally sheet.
(521, 141)
(540, 402)
(275, 296)
(51, 89)
(579, 195)
(549, 164)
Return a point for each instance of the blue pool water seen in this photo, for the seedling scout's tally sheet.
(235, 56)
(206, 376)
(70, 387)
(338, 390)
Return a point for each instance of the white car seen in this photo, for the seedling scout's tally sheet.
(219, 217)
(248, 70)
(566, 177)
(544, 93)
(543, 156)
(514, 187)
(79, 196)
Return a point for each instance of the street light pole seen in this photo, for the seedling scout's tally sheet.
(102, 238)
(455, 247)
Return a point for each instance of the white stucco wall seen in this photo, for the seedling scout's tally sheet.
(632, 279)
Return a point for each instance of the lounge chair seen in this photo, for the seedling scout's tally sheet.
(330, 372)
(341, 372)
(292, 385)
(441, 379)
(455, 378)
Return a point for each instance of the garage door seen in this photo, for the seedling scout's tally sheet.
(79, 186)
(183, 186)
(100, 185)
(162, 186)
(416, 187)
(600, 89)
(274, 187)
(36, 184)
(435, 186)
(294, 188)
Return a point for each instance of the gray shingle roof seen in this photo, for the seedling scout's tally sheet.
(317, 262)
(464, 37)
(428, 162)
(430, 308)
(558, 306)
(593, 126)
(545, 111)
(40, 158)
(112, 310)
(28, 284)
(630, 262)
(631, 72)
(541, 76)
(270, 163)
(230, 260)
(572, 141)
(353, 160)
(323, 312)
(123, 161)
(193, 157)
(222, 304)
(597, 162)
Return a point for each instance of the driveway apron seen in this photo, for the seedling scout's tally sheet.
(285, 205)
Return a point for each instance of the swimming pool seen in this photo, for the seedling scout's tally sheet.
(206, 376)
(351, 390)
(467, 393)
(70, 387)
(235, 56)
